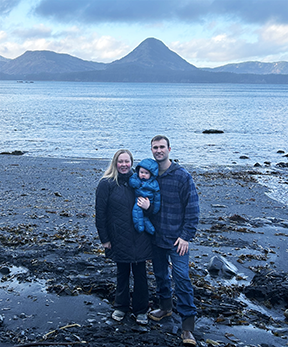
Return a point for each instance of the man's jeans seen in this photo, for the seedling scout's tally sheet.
(180, 274)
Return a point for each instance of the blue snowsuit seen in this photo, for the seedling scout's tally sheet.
(147, 189)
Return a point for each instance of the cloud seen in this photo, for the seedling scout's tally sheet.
(39, 31)
(218, 49)
(268, 43)
(252, 11)
(73, 41)
(274, 34)
(139, 11)
(89, 46)
(3, 35)
(7, 6)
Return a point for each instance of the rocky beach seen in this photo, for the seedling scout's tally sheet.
(57, 287)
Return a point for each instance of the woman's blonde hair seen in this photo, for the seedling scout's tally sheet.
(112, 171)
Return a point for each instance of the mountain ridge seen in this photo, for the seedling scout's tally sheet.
(33, 62)
(253, 67)
(150, 61)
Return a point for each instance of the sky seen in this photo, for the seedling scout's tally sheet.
(206, 33)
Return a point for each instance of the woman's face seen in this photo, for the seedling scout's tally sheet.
(124, 163)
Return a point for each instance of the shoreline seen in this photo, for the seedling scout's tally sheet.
(243, 165)
(54, 262)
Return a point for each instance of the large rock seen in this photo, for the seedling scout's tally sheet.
(212, 131)
(268, 285)
(14, 153)
(218, 265)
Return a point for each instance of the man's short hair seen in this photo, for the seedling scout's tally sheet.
(161, 137)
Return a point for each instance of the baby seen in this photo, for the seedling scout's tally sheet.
(145, 183)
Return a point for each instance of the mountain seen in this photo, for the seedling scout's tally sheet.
(152, 62)
(152, 53)
(35, 62)
(2, 59)
(253, 67)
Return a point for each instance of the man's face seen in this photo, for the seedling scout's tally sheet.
(160, 150)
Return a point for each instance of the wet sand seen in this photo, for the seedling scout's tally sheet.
(58, 288)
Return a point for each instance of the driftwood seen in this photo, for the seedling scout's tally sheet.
(51, 343)
(48, 343)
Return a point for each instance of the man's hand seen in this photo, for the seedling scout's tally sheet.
(143, 202)
(183, 246)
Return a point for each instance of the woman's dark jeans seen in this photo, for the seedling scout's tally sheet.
(140, 293)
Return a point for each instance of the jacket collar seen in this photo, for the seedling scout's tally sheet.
(123, 178)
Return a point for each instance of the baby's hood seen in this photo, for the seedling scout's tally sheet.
(150, 165)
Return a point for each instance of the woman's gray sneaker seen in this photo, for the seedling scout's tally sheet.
(118, 315)
(142, 319)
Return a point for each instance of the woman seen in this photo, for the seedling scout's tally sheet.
(122, 243)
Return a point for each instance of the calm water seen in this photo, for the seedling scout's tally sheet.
(94, 119)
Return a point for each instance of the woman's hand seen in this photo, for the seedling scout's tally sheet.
(106, 245)
(143, 203)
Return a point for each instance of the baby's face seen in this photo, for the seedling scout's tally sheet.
(143, 173)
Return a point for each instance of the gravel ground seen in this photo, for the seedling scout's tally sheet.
(57, 287)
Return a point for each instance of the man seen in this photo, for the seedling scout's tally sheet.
(175, 225)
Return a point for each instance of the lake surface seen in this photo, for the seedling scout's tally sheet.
(93, 120)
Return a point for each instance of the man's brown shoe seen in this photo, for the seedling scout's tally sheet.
(158, 314)
(188, 338)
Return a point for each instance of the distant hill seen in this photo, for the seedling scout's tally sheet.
(151, 61)
(152, 53)
(253, 67)
(35, 62)
(2, 59)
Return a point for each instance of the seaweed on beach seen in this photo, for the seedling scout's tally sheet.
(48, 239)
